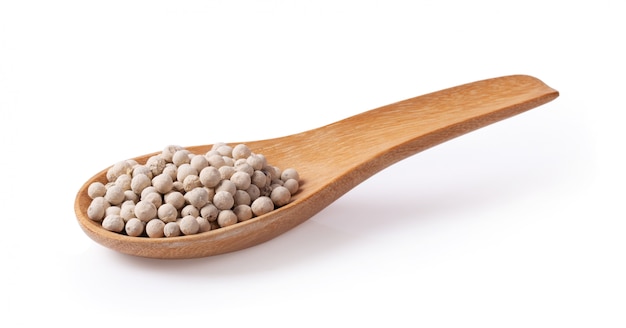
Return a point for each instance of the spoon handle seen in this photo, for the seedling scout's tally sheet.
(422, 122)
(380, 137)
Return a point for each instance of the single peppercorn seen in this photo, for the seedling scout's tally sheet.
(280, 196)
(97, 208)
(189, 225)
(262, 205)
(154, 228)
(167, 213)
(96, 189)
(113, 223)
(226, 218)
(134, 227)
(223, 200)
(210, 176)
(171, 229)
(145, 210)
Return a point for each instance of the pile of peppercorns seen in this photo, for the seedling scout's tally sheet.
(178, 192)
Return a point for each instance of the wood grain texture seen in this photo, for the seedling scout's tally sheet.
(337, 157)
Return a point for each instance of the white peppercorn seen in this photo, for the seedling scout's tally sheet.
(209, 212)
(257, 162)
(115, 195)
(290, 173)
(171, 229)
(162, 183)
(262, 205)
(189, 225)
(243, 212)
(130, 195)
(210, 176)
(204, 224)
(189, 210)
(241, 151)
(272, 172)
(97, 208)
(225, 150)
(254, 192)
(123, 181)
(171, 170)
(211, 152)
(240, 161)
(215, 160)
(155, 228)
(134, 227)
(191, 181)
(167, 213)
(197, 197)
(280, 196)
(140, 182)
(145, 210)
(127, 210)
(199, 162)
(228, 161)
(292, 185)
(184, 170)
(175, 198)
(96, 189)
(242, 197)
(153, 197)
(141, 169)
(241, 180)
(156, 164)
(226, 218)
(181, 157)
(243, 166)
(178, 186)
(259, 179)
(226, 185)
(226, 172)
(112, 210)
(223, 200)
(113, 223)
(262, 158)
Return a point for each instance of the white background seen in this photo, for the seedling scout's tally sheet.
(519, 224)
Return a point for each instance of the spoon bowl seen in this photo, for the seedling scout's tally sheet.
(333, 159)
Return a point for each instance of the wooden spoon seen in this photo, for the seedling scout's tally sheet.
(335, 158)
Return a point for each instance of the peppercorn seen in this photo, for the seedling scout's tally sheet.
(262, 205)
(171, 229)
(134, 227)
(155, 228)
(226, 218)
(189, 225)
(113, 223)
